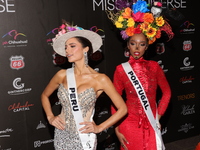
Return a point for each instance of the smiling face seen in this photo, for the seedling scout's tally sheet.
(74, 50)
(137, 45)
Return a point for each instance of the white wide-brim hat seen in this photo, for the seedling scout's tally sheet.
(93, 37)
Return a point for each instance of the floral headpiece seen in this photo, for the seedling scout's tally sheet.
(67, 31)
(137, 18)
(64, 28)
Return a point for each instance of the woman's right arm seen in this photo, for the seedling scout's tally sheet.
(119, 86)
(50, 88)
(122, 139)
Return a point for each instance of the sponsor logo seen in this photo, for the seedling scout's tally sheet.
(188, 110)
(19, 87)
(51, 34)
(126, 53)
(7, 6)
(17, 62)
(97, 55)
(58, 60)
(17, 107)
(162, 66)
(160, 48)
(6, 132)
(40, 126)
(99, 31)
(186, 64)
(186, 96)
(186, 127)
(102, 113)
(57, 103)
(187, 28)
(39, 143)
(5, 148)
(187, 45)
(106, 130)
(14, 39)
(164, 131)
(111, 146)
(96, 69)
(186, 79)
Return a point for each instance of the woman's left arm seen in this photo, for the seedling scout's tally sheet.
(117, 100)
(105, 84)
(166, 91)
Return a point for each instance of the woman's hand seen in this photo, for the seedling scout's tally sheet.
(57, 122)
(90, 127)
(122, 140)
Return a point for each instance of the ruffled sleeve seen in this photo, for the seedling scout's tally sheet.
(118, 83)
(166, 91)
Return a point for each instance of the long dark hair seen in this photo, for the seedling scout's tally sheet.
(85, 43)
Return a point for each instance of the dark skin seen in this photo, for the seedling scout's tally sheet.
(137, 45)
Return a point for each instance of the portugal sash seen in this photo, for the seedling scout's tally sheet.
(145, 104)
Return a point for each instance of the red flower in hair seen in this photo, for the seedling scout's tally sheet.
(62, 26)
(138, 17)
(158, 34)
(138, 30)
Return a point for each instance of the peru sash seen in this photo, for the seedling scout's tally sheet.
(145, 104)
(87, 139)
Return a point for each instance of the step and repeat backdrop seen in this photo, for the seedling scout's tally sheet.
(28, 62)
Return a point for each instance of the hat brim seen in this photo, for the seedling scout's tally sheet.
(93, 37)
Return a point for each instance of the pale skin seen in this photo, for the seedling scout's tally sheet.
(137, 46)
(85, 78)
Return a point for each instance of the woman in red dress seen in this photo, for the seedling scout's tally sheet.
(135, 132)
(140, 27)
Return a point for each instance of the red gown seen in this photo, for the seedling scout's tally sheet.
(136, 127)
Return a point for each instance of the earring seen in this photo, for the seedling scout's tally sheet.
(86, 59)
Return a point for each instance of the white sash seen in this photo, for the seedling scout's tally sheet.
(145, 104)
(88, 140)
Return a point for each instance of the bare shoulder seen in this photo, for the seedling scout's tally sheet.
(102, 78)
(61, 73)
(59, 76)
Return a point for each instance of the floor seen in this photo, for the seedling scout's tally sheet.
(185, 144)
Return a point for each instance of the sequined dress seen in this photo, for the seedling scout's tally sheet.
(136, 127)
(69, 139)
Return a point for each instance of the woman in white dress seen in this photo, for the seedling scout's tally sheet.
(72, 133)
